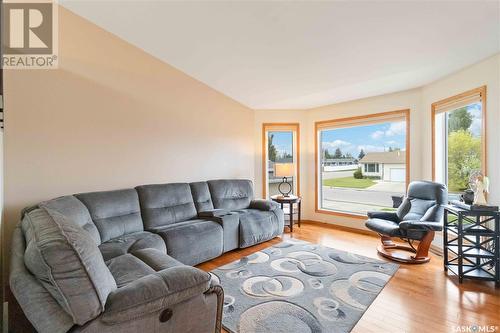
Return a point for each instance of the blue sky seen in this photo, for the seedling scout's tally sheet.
(370, 138)
(475, 112)
(283, 141)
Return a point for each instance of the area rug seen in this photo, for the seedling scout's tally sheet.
(297, 286)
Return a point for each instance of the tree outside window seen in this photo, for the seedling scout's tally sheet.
(464, 145)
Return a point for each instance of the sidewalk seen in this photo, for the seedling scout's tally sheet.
(383, 186)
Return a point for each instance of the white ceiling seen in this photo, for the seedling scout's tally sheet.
(280, 55)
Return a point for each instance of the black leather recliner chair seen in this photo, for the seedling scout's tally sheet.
(417, 218)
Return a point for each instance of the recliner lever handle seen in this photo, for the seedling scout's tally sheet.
(165, 315)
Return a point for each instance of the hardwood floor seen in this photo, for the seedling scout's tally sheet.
(419, 298)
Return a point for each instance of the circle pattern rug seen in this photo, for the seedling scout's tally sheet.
(296, 286)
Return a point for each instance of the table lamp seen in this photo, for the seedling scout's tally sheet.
(284, 170)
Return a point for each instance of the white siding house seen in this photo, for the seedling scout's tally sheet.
(388, 166)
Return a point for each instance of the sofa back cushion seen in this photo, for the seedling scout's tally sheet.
(74, 210)
(115, 213)
(164, 204)
(43, 311)
(67, 262)
(201, 196)
(231, 194)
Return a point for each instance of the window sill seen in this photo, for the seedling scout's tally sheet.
(342, 214)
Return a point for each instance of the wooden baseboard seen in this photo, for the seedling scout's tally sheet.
(341, 227)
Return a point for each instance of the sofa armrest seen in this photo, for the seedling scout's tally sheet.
(265, 205)
(155, 292)
(213, 213)
(230, 224)
(391, 216)
(421, 225)
(216, 288)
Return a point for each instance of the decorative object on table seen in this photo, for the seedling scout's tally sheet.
(480, 185)
(417, 219)
(296, 287)
(471, 243)
(467, 197)
(284, 170)
(290, 201)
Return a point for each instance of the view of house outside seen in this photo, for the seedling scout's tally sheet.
(464, 127)
(362, 167)
(279, 150)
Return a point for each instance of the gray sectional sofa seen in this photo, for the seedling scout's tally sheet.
(121, 261)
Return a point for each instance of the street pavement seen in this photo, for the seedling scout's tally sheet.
(360, 201)
(376, 198)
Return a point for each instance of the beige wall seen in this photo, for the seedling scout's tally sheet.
(419, 102)
(111, 117)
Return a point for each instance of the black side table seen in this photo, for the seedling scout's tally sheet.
(290, 200)
(471, 240)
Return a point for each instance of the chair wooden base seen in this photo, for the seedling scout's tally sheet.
(421, 253)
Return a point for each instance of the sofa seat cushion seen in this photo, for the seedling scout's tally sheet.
(193, 242)
(66, 260)
(384, 227)
(132, 266)
(128, 268)
(155, 259)
(132, 242)
(258, 226)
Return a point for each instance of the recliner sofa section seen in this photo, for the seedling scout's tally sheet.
(116, 261)
(169, 211)
(260, 220)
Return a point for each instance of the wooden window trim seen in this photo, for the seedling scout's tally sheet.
(436, 105)
(405, 113)
(283, 127)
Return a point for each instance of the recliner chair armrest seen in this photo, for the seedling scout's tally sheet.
(213, 213)
(265, 205)
(391, 216)
(155, 292)
(421, 225)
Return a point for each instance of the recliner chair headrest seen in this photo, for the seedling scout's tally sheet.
(427, 190)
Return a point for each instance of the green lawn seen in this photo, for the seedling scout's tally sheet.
(348, 182)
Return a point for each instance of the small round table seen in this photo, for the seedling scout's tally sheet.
(290, 200)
